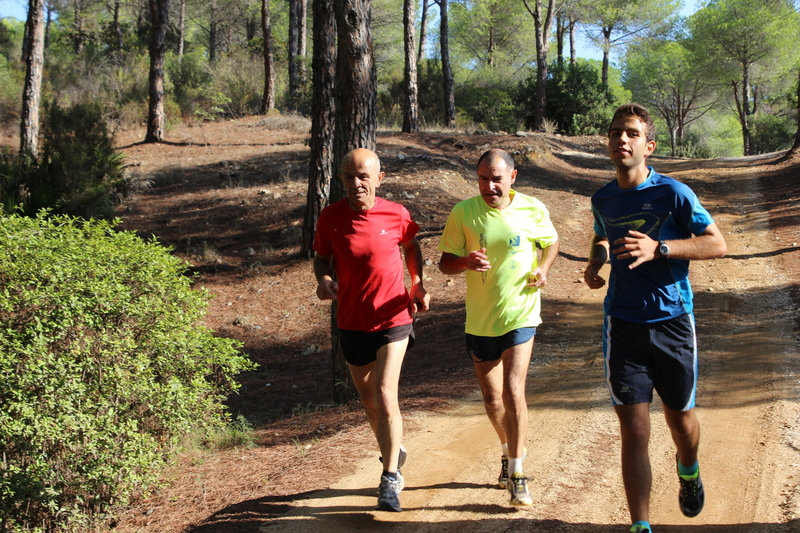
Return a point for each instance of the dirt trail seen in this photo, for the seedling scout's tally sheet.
(747, 406)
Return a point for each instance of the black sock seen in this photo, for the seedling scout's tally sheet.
(392, 476)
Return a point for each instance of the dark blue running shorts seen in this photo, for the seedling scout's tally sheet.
(361, 347)
(483, 349)
(641, 357)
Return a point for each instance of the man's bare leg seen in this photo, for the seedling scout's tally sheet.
(634, 423)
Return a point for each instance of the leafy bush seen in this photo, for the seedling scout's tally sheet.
(11, 85)
(429, 86)
(492, 106)
(232, 86)
(771, 133)
(576, 99)
(693, 147)
(105, 366)
(191, 81)
(78, 173)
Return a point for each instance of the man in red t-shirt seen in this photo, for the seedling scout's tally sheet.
(359, 237)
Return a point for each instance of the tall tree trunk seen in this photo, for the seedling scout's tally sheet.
(796, 146)
(411, 104)
(301, 39)
(77, 25)
(49, 11)
(356, 127)
(212, 32)
(117, 27)
(268, 101)
(561, 32)
(292, 46)
(542, 23)
(741, 110)
(323, 105)
(606, 51)
(423, 30)
(356, 98)
(181, 28)
(448, 85)
(34, 35)
(156, 118)
(573, 52)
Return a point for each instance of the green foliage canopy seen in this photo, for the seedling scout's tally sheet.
(105, 365)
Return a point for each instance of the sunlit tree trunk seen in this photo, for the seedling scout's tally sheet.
(606, 45)
(448, 84)
(796, 147)
(301, 39)
(323, 68)
(411, 104)
(181, 28)
(573, 52)
(542, 23)
(268, 101)
(156, 118)
(31, 94)
(356, 97)
(293, 52)
(423, 31)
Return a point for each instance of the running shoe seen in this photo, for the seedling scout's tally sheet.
(692, 495)
(518, 488)
(502, 479)
(639, 528)
(389, 494)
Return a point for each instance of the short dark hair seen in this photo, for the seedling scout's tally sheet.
(640, 112)
(497, 153)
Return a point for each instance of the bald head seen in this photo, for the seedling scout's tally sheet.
(360, 157)
(361, 176)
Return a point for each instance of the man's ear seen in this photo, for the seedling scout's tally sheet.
(380, 179)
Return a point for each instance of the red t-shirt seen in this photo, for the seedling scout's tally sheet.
(368, 262)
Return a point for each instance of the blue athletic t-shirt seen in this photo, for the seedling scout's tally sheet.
(664, 209)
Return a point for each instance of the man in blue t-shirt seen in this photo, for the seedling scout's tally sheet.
(649, 227)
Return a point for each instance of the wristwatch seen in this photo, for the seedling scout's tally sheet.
(663, 248)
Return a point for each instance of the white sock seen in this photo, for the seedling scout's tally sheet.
(514, 465)
(505, 449)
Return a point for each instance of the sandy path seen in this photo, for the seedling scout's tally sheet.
(748, 409)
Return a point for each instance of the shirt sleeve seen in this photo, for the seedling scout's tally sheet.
(545, 228)
(599, 230)
(322, 240)
(409, 228)
(453, 240)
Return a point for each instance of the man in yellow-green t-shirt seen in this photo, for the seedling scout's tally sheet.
(493, 237)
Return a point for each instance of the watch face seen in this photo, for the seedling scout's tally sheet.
(663, 249)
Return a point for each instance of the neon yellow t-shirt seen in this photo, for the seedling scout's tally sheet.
(498, 300)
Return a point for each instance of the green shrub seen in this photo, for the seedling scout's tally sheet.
(490, 105)
(576, 99)
(11, 85)
(191, 80)
(78, 172)
(771, 133)
(105, 366)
